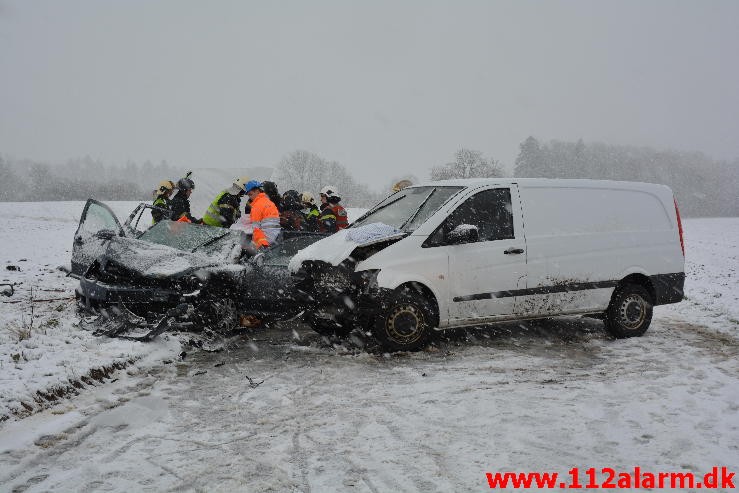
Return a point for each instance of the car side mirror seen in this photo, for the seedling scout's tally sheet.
(105, 234)
(464, 233)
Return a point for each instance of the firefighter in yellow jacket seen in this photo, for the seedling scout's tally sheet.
(224, 210)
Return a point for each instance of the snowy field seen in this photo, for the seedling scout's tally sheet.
(283, 410)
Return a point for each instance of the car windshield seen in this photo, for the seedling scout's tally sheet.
(409, 208)
(281, 254)
(183, 236)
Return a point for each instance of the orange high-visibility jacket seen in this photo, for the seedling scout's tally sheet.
(266, 220)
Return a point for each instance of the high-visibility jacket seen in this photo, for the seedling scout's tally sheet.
(332, 219)
(342, 220)
(157, 215)
(266, 220)
(223, 211)
(311, 215)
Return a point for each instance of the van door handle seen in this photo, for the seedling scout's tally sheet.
(513, 250)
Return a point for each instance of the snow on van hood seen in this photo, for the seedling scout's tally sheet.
(339, 246)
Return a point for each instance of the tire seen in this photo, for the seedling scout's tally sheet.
(329, 328)
(404, 322)
(630, 311)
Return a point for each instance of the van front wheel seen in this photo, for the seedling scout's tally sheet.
(404, 322)
(630, 311)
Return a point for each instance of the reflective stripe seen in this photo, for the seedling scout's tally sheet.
(271, 228)
(212, 216)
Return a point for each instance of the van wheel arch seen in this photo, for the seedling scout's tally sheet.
(642, 281)
(405, 318)
(423, 290)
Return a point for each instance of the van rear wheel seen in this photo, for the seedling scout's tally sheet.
(404, 322)
(630, 311)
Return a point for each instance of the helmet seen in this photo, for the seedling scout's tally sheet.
(291, 200)
(329, 191)
(241, 181)
(401, 185)
(185, 184)
(251, 185)
(307, 198)
(164, 187)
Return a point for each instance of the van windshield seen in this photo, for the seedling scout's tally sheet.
(409, 208)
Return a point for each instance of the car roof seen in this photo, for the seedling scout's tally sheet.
(537, 182)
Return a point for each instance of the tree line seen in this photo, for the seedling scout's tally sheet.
(703, 186)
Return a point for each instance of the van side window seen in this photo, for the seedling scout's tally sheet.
(490, 211)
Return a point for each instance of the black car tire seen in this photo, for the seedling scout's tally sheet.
(404, 321)
(630, 311)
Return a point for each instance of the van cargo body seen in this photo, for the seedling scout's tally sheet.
(468, 252)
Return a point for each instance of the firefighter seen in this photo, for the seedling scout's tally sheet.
(270, 188)
(310, 211)
(333, 216)
(224, 210)
(264, 216)
(162, 201)
(291, 215)
(181, 201)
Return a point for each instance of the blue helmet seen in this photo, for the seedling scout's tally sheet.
(251, 185)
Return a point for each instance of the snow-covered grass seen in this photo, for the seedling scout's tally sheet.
(43, 352)
(712, 275)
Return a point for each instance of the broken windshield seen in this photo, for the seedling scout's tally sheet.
(411, 205)
(183, 236)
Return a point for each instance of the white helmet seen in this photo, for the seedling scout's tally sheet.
(241, 181)
(329, 191)
(307, 198)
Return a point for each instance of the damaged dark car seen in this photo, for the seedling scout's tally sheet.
(180, 275)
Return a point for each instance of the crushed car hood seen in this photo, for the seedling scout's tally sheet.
(338, 247)
(160, 261)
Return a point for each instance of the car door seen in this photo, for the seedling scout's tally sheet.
(486, 248)
(97, 226)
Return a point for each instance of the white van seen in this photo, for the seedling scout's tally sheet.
(468, 252)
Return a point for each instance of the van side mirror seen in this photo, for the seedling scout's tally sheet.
(464, 233)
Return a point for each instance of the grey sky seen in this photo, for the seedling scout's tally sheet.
(385, 88)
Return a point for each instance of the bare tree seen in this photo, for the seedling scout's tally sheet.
(467, 164)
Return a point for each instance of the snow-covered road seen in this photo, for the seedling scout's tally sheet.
(550, 397)
(545, 396)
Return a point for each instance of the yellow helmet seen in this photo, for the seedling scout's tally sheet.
(164, 187)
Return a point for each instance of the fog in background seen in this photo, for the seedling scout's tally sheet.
(386, 89)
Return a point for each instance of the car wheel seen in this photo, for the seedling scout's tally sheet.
(630, 311)
(404, 322)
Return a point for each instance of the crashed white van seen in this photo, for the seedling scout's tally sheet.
(469, 252)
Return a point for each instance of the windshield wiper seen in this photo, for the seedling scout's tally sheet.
(367, 214)
(211, 241)
(418, 209)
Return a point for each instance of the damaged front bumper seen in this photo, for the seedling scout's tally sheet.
(91, 293)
